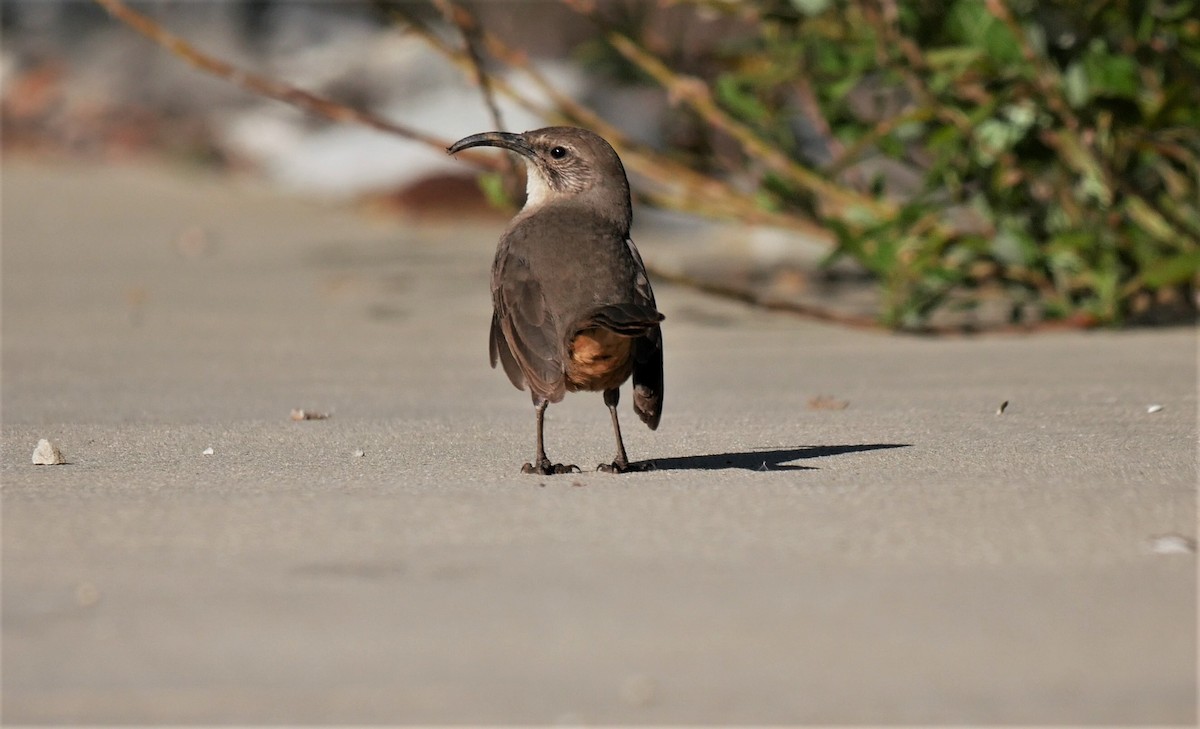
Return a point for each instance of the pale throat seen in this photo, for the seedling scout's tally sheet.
(537, 192)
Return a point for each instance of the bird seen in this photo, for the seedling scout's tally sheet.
(573, 309)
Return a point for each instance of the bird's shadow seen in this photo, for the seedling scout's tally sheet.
(778, 459)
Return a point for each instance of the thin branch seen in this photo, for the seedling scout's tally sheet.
(884, 127)
(468, 28)
(748, 296)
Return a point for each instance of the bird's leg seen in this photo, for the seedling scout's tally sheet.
(620, 464)
(542, 464)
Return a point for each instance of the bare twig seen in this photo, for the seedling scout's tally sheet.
(468, 28)
(271, 88)
(748, 296)
(810, 109)
(850, 155)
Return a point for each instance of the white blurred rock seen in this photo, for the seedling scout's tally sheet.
(1172, 544)
(47, 454)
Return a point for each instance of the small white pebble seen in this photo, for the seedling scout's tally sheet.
(359, 453)
(47, 454)
(1172, 544)
(1154, 409)
(208, 451)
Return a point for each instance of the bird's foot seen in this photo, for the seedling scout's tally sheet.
(546, 468)
(624, 467)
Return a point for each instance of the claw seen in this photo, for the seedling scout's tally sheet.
(623, 467)
(546, 468)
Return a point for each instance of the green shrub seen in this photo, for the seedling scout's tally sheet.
(1056, 145)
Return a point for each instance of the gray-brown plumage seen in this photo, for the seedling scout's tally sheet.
(573, 307)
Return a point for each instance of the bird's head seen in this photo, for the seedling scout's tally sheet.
(565, 164)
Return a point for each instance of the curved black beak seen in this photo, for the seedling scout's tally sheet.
(507, 140)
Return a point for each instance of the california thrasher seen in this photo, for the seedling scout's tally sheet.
(573, 307)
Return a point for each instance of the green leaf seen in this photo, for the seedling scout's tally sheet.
(1172, 271)
(954, 57)
(811, 7)
(1013, 246)
(1111, 75)
(1150, 221)
(492, 185)
(731, 92)
(1075, 84)
(970, 21)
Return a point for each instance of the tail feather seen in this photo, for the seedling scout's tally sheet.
(648, 377)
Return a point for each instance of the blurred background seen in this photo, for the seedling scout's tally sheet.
(924, 166)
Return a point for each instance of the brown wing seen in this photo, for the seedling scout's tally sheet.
(499, 352)
(523, 333)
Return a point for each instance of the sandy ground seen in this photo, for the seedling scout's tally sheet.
(914, 557)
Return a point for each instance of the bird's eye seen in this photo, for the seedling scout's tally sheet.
(558, 152)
